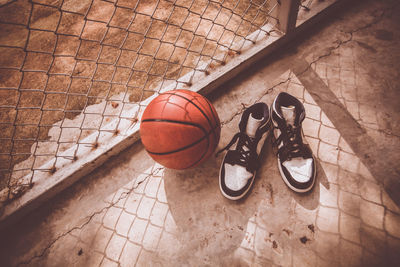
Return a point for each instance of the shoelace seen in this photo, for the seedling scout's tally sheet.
(292, 143)
(244, 147)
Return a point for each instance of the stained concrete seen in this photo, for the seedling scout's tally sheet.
(133, 211)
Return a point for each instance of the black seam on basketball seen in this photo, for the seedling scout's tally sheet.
(205, 115)
(179, 149)
(205, 152)
(202, 156)
(206, 135)
(175, 121)
(202, 112)
(190, 101)
(217, 124)
(212, 111)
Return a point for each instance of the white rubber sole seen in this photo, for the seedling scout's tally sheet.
(240, 196)
(267, 134)
(294, 188)
(237, 197)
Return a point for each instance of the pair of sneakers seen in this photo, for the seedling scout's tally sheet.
(295, 160)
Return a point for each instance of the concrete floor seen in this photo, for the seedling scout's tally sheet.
(132, 211)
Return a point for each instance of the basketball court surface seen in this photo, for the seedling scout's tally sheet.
(132, 211)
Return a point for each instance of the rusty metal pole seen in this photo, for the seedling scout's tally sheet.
(287, 14)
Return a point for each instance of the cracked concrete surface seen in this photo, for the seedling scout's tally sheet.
(134, 212)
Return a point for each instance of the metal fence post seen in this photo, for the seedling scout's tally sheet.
(287, 14)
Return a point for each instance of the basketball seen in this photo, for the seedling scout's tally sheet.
(180, 129)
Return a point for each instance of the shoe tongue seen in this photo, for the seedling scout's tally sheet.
(252, 126)
(289, 114)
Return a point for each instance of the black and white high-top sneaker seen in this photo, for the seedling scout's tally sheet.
(295, 160)
(239, 166)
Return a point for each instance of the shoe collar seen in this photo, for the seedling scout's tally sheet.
(259, 108)
(285, 99)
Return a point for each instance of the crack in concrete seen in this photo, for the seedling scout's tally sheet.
(245, 106)
(383, 131)
(329, 53)
(89, 218)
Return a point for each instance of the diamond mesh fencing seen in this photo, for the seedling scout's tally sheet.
(72, 69)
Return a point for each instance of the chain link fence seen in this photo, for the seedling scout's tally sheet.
(70, 67)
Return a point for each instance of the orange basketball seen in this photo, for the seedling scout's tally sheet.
(180, 129)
